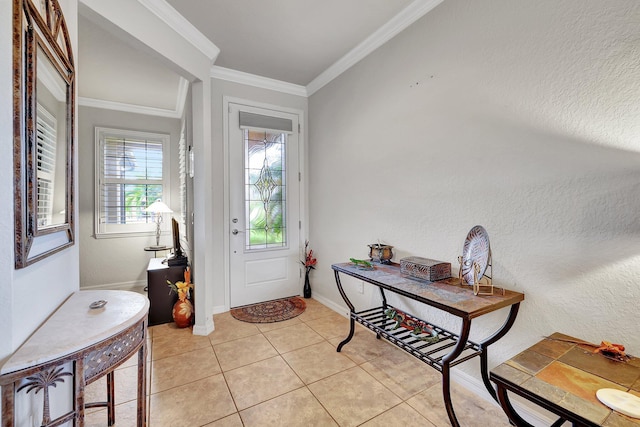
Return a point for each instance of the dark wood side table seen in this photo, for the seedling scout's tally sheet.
(160, 296)
(448, 295)
(562, 377)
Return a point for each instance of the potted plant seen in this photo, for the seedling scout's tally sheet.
(309, 264)
(182, 309)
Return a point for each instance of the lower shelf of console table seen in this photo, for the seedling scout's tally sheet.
(431, 353)
(448, 295)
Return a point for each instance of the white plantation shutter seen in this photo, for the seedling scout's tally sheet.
(182, 172)
(131, 176)
(46, 157)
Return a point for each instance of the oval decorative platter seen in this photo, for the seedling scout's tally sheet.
(476, 249)
(97, 304)
(621, 401)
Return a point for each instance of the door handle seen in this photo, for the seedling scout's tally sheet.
(235, 231)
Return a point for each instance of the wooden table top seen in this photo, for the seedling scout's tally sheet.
(568, 375)
(448, 294)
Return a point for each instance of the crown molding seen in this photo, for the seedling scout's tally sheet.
(257, 81)
(180, 25)
(53, 82)
(410, 14)
(129, 108)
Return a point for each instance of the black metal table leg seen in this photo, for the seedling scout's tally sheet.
(484, 346)
(384, 298)
(384, 307)
(516, 419)
(513, 416)
(351, 312)
(446, 370)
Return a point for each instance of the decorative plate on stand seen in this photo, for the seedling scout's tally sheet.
(476, 249)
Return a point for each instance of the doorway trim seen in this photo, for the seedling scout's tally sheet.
(302, 162)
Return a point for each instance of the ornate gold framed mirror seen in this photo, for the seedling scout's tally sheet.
(43, 130)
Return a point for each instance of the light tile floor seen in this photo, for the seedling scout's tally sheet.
(285, 374)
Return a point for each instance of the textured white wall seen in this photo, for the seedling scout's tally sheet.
(6, 177)
(523, 117)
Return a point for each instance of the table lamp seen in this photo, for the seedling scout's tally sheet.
(158, 208)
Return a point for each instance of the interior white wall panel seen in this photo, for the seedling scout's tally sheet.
(519, 116)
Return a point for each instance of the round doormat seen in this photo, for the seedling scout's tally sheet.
(270, 311)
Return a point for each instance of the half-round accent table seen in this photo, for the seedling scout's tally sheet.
(80, 344)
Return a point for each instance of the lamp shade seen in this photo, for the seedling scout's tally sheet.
(158, 207)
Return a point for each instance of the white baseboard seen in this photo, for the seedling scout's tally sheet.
(217, 309)
(332, 305)
(137, 285)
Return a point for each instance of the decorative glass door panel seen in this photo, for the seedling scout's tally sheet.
(265, 189)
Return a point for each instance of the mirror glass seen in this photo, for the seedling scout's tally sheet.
(43, 131)
(51, 147)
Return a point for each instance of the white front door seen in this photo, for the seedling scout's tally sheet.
(264, 205)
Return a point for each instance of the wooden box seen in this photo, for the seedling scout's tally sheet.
(423, 268)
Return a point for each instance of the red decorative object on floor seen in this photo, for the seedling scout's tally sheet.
(183, 309)
(183, 313)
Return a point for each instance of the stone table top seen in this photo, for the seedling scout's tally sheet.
(448, 294)
(75, 326)
(568, 374)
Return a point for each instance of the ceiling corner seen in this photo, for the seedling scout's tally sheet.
(410, 14)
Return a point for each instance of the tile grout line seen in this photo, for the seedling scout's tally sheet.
(226, 383)
(279, 354)
(357, 363)
(305, 385)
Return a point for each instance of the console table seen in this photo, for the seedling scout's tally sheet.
(562, 376)
(448, 295)
(81, 344)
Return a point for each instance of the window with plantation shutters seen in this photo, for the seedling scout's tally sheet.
(131, 175)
